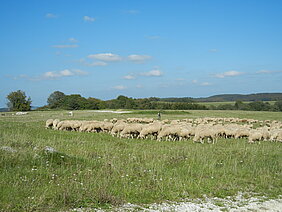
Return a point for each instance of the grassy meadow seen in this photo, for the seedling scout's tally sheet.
(98, 170)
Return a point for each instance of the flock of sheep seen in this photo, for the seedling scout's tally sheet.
(200, 129)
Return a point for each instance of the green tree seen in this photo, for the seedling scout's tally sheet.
(18, 101)
(55, 100)
(278, 105)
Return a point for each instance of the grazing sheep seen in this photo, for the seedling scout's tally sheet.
(117, 128)
(255, 135)
(170, 132)
(242, 133)
(49, 123)
(64, 125)
(203, 134)
(150, 130)
(55, 123)
(107, 126)
(131, 131)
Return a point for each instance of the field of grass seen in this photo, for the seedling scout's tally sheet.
(98, 170)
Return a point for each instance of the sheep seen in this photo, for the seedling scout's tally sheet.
(242, 133)
(131, 131)
(64, 125)
(49, 123)
(276, 135)
(95, 127)
(75, 125)
(169, 132)
(255, 135)
(55, 123)
(205, 133)
(118, 127)
(201, 128)
(107, 126)
(150, 129)
(265, 133)
(113, 120)
(186, 132)
(165, 121)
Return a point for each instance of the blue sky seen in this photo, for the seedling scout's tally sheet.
(172, 48)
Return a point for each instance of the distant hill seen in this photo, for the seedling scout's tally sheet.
(226, 98)
(241, 97)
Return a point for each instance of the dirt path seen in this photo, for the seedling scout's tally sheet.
(232, 204)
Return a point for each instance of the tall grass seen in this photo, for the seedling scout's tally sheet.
(97, 170)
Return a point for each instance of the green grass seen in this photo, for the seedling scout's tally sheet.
(163, 112)
(97, 170)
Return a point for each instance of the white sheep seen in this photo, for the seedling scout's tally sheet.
(131, 131)
(49, 123)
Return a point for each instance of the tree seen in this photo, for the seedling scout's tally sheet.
(278, 105)
(18, 101)
(55, 99)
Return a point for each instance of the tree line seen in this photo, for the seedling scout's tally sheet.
(59, 100)
(18, 101)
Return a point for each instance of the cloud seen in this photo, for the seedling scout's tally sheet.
(51, 15)
(63, 73)
(228, 74)
(51, 75)
(129, 77)
(120, 87)
(267, 72)
(65, 46)
(89, 19)
(138, 58)
(153, 73)
(109, 57)
(73, 40)
(205, 84)
(194, 81)
(139, 86)
(97, 63)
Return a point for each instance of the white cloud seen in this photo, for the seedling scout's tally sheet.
(267, 72)
(120, 87)
(153, 73)
(205, 84)
(228, 74)
(109, 57)
(138, 58)
(80, 72)
(50, 75)
(65, 46)
(194, 81)
(63, 73)
(89, 19)
(73, 40)
(97, 63)
(51, 15)
(139, 86)
(129, 77)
